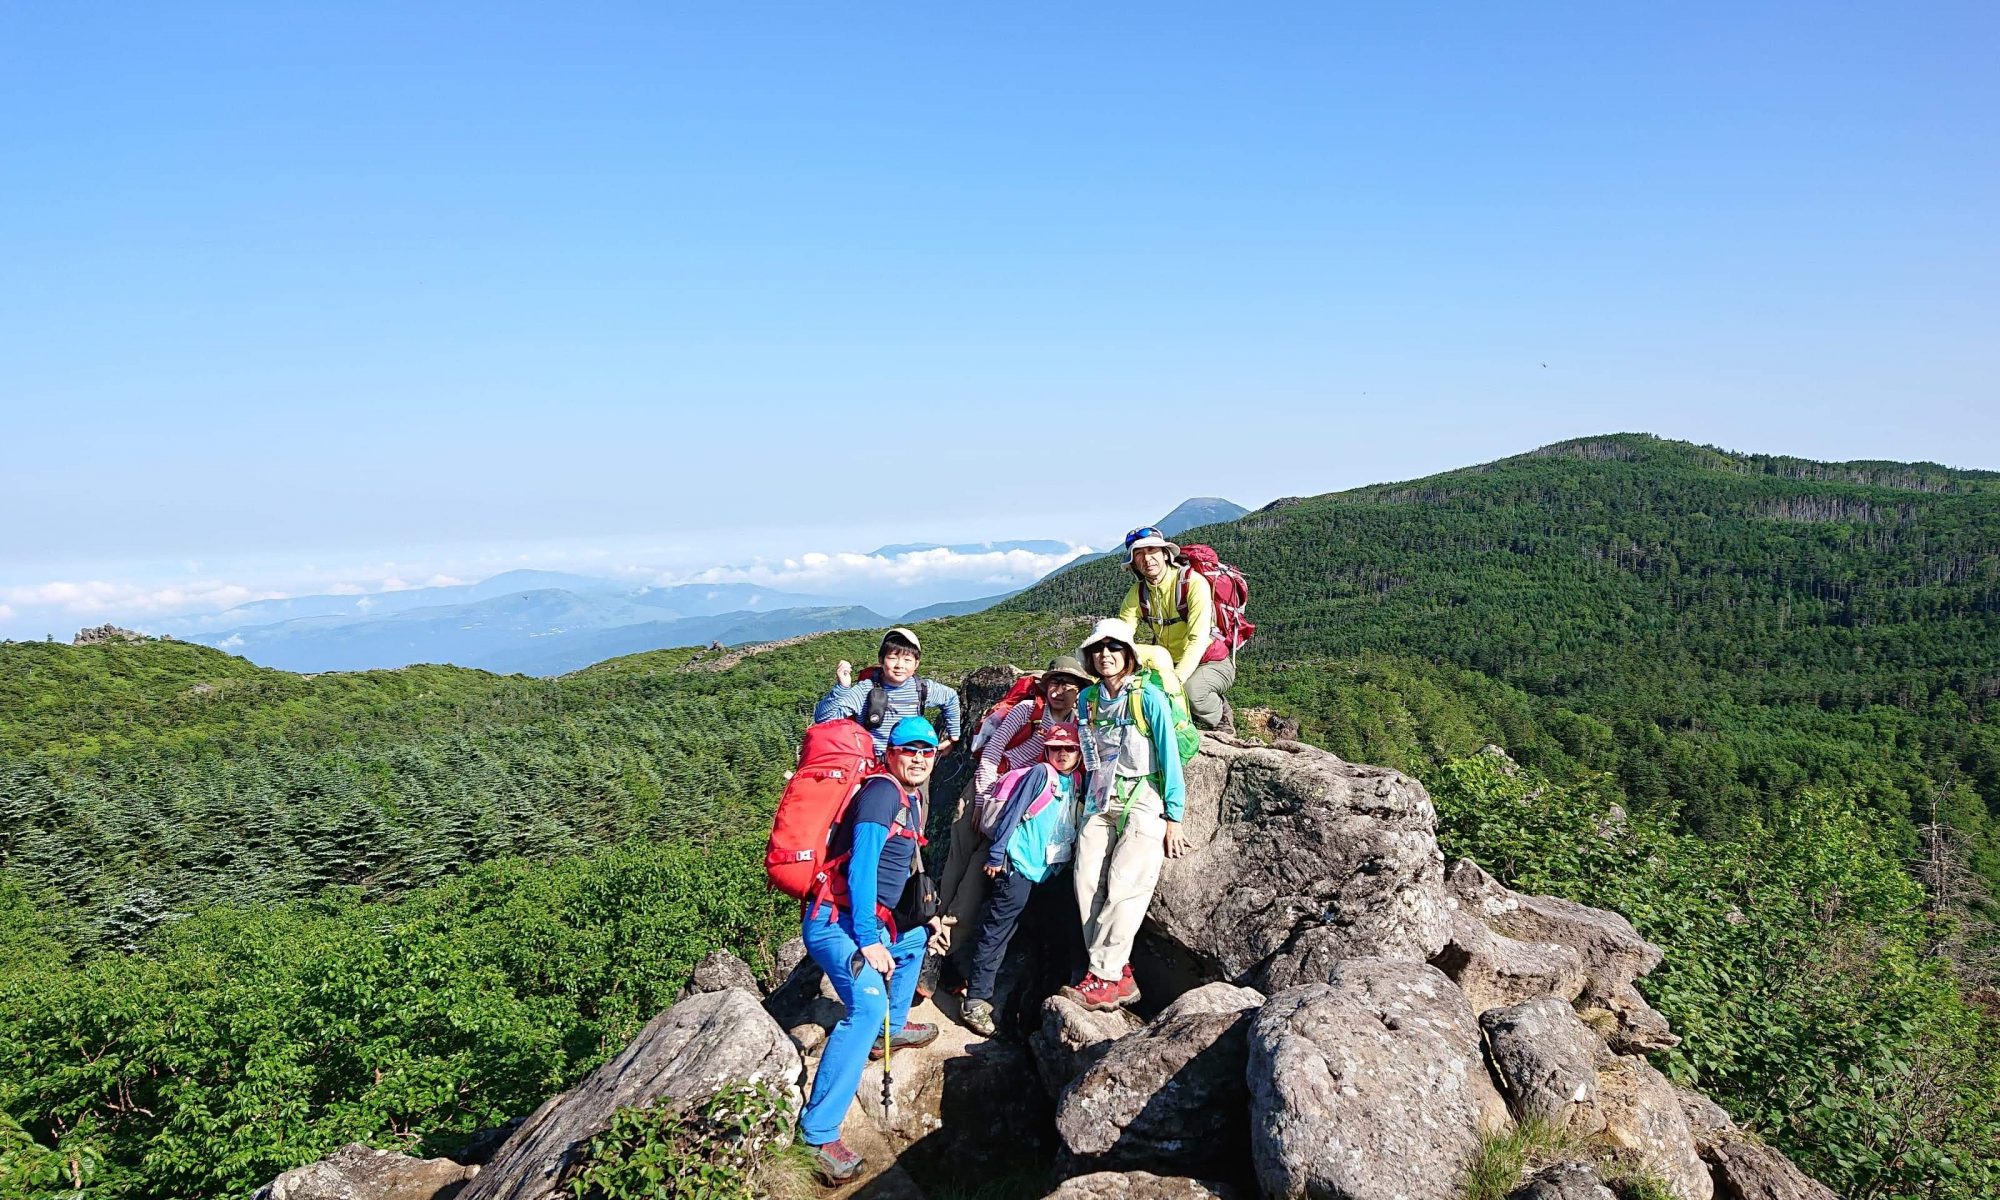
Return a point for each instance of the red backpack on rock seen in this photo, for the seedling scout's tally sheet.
(1232, 593)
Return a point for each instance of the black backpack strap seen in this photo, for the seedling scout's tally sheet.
(923, 694)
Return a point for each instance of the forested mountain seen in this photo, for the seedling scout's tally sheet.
(247, 916)
(1713, 629)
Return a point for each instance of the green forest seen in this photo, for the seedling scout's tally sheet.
(248, 916)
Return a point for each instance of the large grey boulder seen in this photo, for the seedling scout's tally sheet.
(358, 1172)
(684, 1056)
(1072, 1037)
(1170, 1096)
(1140, 1185)
(720, 970)
(1303, 858)
(1612, 951)
(1644, 1124)
(1563, 1181)
(1546, 1060)
(1753, 1171)
(1370, 1086)
(1495, 971)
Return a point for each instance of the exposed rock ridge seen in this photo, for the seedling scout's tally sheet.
(1343, 1019)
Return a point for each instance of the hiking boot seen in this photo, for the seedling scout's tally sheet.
(835, 1163)
(909, 1037)
(927, 977)
(1097, 995)
(1128, 987)
(978, 1017)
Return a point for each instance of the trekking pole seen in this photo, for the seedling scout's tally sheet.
(888, 1061)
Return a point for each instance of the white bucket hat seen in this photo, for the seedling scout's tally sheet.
(1152, 538)
(1110, 629)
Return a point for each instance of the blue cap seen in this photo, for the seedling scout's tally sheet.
(913, 731)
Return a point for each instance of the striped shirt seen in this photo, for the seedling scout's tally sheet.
(852, 701)
(996, 760)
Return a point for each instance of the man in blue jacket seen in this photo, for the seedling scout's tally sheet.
(873, 966)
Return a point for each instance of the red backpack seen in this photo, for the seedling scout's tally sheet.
(1231, 590)
(1026, 690)
(837, 757)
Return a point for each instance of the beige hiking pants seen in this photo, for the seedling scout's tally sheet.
(962, 885)
(1115, 875)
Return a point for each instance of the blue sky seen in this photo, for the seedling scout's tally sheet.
(295, 296)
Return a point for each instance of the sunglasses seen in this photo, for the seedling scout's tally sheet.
(1064, 750)
(919, 751)
(1143, 532)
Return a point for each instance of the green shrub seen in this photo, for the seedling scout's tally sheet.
(736, 1146)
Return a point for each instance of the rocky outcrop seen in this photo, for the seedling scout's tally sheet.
(1400, 994)
(1170, 1096)
(1495, 971)
(1071, 1038)
(686, 1054)
(1752, 1171)
(1563, 1181)
(1370, 1086)
(719, 971)
(1644, 1125)
(1141, 1185)
(1706, 1120)
(1612, 952)
(1301, 859)
(1546, 1060)
(105, 634)
(357, 1172)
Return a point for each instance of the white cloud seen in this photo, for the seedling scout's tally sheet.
(443, 580)
(97, 597)
(817, 571)
(230, 643)
(5, 612)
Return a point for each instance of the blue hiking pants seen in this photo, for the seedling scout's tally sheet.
(830, 941)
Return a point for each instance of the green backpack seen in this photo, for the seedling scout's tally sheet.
(1187, 739)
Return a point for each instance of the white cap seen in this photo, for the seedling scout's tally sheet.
(1110, 629)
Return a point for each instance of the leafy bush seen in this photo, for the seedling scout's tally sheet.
(246, 1042)
(733, 1147)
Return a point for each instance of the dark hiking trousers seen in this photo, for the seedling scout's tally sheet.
(1009, 897)
(1006, 900)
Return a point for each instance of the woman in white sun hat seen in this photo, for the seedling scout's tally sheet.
(1133, 798)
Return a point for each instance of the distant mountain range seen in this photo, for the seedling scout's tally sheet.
(552, 622)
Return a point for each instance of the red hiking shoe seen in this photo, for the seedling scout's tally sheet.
(1128, 987)
(1098, 995)
(835, 1162)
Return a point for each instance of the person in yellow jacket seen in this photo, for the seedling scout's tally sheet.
(1187, 633)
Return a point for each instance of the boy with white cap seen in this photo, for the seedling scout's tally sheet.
(1178, 607)
(896, 692)
(1132, 810)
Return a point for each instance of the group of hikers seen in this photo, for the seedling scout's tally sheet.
(1075, 804)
